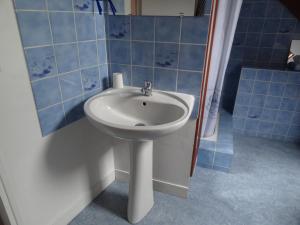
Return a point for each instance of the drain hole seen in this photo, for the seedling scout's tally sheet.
(140, 125)
(144, 103)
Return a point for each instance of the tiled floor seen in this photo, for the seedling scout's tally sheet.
(263, 188)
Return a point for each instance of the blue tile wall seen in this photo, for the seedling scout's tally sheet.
(168, 51)
(65, 49)
(262, 40)
(273, 107)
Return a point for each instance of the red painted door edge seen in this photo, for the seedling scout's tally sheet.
(203, 90)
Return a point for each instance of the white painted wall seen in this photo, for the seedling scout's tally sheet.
(46, 180)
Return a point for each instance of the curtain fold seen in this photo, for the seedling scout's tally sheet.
(226, 22)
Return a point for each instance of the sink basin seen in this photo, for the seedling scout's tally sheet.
(127, 114)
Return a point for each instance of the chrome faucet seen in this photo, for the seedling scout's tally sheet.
(147, 89)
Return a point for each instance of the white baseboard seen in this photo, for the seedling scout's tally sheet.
(158, 185)
(66, 217)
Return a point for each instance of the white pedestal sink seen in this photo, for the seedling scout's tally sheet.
(127, 114)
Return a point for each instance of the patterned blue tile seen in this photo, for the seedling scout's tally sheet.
(256, 25)
(70, 85)
(272, 102)
(264, 75)
(85, 26)
(90, 79)
(294, 131)
(167, 29)
(271, 26)
(40, 62)
(46, 92)
(276, 89)
(258, 100)
(255, 112)
(165, 79)
(66, 57)
(222, 160)
(280, 129)
(51, 119)
(104, 79)
(87, 53)
(30, 4)
(119, 27)
(125, 70)
(191, 35)
(74, 109)
(63, 27)
(102, 53)
(120, 52)
(292, 90)
(100, 26)
(240, 110)
(142, 53)
(142, 28)
(284, 117)
(205, 158)
(265, 127)
(140, 75)
(258, 10)
(166, 55)
(274, 9)
(65, 5)
(83, 5)
(252, 40)
(36, 23)
(246, 86)
(191, 57)
(260, 87)
(267, 40)
(189, 82)
(288, 104)
(268, 115)
(238, 123)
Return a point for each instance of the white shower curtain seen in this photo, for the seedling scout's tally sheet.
(227, 16)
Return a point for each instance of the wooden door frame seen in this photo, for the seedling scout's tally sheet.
(203, 89)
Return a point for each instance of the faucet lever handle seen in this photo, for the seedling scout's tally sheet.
(148, 84)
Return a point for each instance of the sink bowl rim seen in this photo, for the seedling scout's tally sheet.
(180, 120)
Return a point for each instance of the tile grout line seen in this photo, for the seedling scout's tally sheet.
(130, 48)
(58, 79)
(154, 51)
(178, 56)
(97, 46)
(78, 53)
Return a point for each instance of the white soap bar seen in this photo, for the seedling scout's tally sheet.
(117, 80)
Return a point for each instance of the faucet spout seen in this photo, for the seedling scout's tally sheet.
(147, 89)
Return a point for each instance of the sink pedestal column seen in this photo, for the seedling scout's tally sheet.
(140, 186)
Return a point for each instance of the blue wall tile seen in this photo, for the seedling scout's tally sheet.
(90, 79)
(142, 53)
(119, 27)
(85, 26)
(255, 112)
(191, 57)
(166, 55)
(70, 85)
(272, 102)
(191, 35)
(189, 82)
(100, 26)
(46, 92)
(140, 75)
(40, 62)
(83, 5)
(288, 104)
(142, 28)
(165, 79)
(246, 86)
(120, 52)
(102, 51)
(257, 100)
(269, 115)
(74, 109)
(51, 119)
(276, 89)
(66, 57)
(65, 5)
(87, 53)
(205, 158)
(260, 87)
(30, 4)
(63, 27)
(36, 23)
(167, 29)
(222, 160)
(292, 90)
